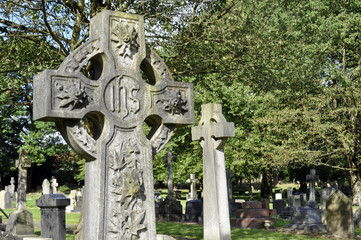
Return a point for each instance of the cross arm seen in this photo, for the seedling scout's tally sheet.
(62, 95)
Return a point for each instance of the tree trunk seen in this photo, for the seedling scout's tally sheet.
(356, 187)
(266, 187)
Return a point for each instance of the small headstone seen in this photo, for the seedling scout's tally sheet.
(278, 196)
(279, 205)
(46, 187)
(193, 187)
(72, 197)
(339, 215)
(2, 199)
(8, 199)
(213, 131)
(12, 188)
(290, 196)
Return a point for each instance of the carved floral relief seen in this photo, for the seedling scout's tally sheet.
(173, 102)
(72, 94)
(124, 38)
(127, 188)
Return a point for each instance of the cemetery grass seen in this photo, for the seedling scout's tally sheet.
(181, 231)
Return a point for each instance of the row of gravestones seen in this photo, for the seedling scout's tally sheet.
(335, 214)
(8, 196)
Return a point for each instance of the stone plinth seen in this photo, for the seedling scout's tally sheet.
(170, 210)
(252, 215)
(194, 210)
(53, 215)
(307, 219)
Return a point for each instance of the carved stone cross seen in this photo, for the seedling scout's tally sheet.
(213, 131)
(169, 158)
(102, 117)
(312, 177)
(193, 181)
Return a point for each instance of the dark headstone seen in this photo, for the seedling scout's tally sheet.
(194, 210)
(279, 205)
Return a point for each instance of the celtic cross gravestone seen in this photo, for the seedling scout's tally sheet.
(102, 116)
(212, 132)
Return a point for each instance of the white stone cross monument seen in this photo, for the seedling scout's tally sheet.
(193, 187)
(170, 158)
(101, 116)
(54, 185)
(312, 177)
(213, 131)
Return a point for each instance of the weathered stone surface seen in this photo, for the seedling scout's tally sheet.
(20, 222)
(312, 178)
(192, 195)
(339, 215)
(53, 215)
(194, 209)
(102, 116)
(169, 159)
(213, 131)
(46, 186)
(279, 205)
(308, 219)
(170, 210)
(325, 194)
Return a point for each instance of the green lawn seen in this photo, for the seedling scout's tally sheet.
(183, 230)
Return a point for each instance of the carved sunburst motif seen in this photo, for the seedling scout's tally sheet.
(124, 39)
(71, 94)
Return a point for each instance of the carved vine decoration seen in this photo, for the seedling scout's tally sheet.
(128, 214)
(72, 94)
(173, 102)
(124, 39)
(80, 133)
(79, 56)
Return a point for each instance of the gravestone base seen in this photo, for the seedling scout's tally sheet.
(169, 210)
(20, 222)
(194, 210)
(287, 212)
(307, 219)
(252, 215)
(10, 236)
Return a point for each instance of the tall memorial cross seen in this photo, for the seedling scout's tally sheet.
(312, 178)
(170, 158)
(102, 118)
(23, 163)
(212, 132)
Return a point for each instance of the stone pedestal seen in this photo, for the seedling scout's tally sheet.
(194, 210)
(53, 215)
(307, 219)
(253, 215)
(20, 222)
(170, 210)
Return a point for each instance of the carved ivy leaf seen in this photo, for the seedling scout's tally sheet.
(173, 102)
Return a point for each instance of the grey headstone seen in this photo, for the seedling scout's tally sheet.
(53, 215)
(290, 196)
(339, 215)
(46, 187)
(194, 209)
(8, 199)
(325, 194)
(114, 103)
(279, 205)
(308, 219)
(213, 131)
(229, 176)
